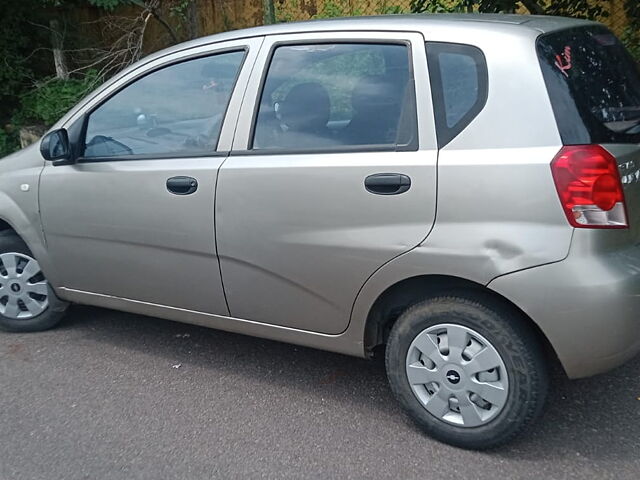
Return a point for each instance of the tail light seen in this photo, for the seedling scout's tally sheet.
(588, 183)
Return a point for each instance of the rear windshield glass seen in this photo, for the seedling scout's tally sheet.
(594, 86)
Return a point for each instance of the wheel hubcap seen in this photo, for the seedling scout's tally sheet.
(24, 291)
(457, 375)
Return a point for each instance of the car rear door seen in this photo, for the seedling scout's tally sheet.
(134, 217)
(332, 174)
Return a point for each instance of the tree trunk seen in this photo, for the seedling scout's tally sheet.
(165, 24)
(192, 19)
(59, 60)
(269, 12)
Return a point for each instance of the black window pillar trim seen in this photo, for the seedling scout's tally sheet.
(444, 133)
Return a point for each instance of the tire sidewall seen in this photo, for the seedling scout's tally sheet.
(51, 316)
(518, 349)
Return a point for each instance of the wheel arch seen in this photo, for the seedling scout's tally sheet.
(6, 226)
(15, 220)
(388, 306)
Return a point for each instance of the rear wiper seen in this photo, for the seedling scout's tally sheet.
(633, 127)
(624, 126)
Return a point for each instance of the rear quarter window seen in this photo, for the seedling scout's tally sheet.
(593, 85)
(459, 85)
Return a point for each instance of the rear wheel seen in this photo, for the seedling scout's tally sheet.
(467, 370)
(27, 301)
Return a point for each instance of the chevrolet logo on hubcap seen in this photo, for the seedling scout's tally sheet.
(453, 377)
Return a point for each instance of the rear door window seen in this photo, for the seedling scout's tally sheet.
(593, 84)
(459, 86)
(337, 96)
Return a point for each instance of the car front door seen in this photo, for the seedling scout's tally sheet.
(134, 216)
(332, 174)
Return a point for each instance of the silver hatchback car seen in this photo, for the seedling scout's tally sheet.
(461, 193)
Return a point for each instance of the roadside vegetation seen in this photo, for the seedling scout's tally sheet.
(52, 55)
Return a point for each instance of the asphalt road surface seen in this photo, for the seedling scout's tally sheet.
(116, 396)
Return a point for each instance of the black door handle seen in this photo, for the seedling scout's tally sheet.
(182, 185)
(387, 183)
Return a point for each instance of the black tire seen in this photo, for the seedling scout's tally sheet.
(514, 341)
(49, 318)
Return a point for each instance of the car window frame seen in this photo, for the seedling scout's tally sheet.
(338, 40)
(214, 152)
(446, 134)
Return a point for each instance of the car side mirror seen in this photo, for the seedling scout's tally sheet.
(55, 146)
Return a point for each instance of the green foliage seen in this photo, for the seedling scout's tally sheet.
(105, 4)
(52, 98)
(631, 39)
(17, 62)
(179, 9)
(632, 9)
(390, 10)
(631, 36)
(282, 12)
(573, 8)
(109, 4)
(8, 143)
(436, 6)
(330, 10)
(578, 8)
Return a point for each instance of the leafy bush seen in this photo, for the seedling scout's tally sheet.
(52, 98)
(330, 10)
(573, 8)
(390, 10)
(19, 60)
(437, 6)
(44, 105)
(631, 36)
(631, 39)
(8, 143)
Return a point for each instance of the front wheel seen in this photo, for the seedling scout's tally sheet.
(27, 301)
(468, 371)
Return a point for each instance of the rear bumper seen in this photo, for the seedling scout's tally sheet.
(587, 305)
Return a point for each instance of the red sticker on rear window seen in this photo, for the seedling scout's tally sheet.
(563, 61)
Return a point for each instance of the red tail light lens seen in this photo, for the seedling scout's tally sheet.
(588, 183)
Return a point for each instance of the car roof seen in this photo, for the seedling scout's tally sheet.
(526, 24)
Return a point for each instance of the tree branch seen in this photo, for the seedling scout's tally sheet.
(152, 7)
